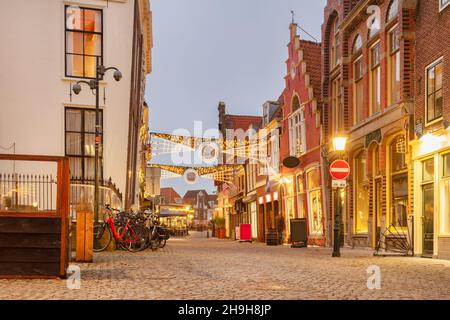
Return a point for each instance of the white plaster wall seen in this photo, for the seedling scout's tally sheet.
(34, 91)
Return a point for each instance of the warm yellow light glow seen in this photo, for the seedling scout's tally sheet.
(35, 204)
(339, 143)
(268, 198)
(430, 143)
(275, 196)
(285, 180)
(261, 200)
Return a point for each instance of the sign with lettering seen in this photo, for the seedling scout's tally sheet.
(373, 136)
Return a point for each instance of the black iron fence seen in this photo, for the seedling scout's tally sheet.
(26, 192)
(20, 192)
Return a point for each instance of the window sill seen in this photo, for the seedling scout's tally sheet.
(73, 80)
(433, 122)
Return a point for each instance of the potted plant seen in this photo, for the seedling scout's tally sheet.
(220, 225)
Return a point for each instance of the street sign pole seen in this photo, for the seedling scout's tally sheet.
(339, 171)
(337, 224)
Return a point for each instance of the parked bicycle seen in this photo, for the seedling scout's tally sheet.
(158, 235)
(127, 233)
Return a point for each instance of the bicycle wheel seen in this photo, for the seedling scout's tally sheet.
(102, 237)
(154, 241)
(162, 243)
(120, 244)
(135, 239)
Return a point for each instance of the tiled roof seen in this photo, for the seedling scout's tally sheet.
(312, 57)
(242, 122)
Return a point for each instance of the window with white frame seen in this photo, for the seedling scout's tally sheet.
(297, 133)
(375, 78)
(394, 65)
(443, 4)
(275, 151)
(83, 41)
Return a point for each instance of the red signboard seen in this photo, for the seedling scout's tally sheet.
(339, 170)
(245, 232)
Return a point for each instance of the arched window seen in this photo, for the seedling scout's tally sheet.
(374, 27)
(357, 44)
(399, 181)
(297, 129)
(358, 84)
(392, 11)
(362, 194)
(334, 43)
(295, 104)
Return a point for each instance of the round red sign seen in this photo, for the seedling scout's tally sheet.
(339, 170)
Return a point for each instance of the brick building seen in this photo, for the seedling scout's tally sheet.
(368, 70)
(301, 187)
(231, 205)
(431, 148)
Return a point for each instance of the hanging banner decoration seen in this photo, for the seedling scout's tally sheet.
(209, 152)
(190, 176)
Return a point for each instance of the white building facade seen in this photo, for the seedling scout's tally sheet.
(52, 44)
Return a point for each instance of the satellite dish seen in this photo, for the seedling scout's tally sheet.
(291, 162)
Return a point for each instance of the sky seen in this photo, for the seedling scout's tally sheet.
(206, 51)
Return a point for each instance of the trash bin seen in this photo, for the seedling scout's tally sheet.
(299, 233)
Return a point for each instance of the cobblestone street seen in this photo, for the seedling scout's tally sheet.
(200, 268)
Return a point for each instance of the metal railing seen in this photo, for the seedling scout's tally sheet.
(83, 191)
(27, 192)
(30, 192)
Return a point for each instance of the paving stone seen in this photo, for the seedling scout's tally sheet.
(212, 269)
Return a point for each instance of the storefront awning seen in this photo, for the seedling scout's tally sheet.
(171, 213)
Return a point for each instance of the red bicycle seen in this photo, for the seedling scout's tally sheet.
(127, 235)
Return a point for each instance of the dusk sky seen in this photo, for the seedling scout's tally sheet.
(206, 51)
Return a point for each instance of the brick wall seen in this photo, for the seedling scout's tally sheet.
(432, 43)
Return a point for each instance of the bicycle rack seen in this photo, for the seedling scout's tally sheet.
(396, 240)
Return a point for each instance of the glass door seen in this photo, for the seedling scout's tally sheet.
(427, 219)
(428, 207)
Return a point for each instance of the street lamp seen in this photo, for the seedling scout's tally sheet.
(94, 86)
(339, 143)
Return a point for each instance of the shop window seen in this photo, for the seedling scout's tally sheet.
(254, 219)
(445, 195)
(434, 92)
(447, 166)
(300, 195)
(362, 194)
(399, 182)
(315, 213)
(428, 170)
(394, 65)
(83, 41)
(375, 79)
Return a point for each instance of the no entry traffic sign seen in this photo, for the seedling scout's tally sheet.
(339, 170)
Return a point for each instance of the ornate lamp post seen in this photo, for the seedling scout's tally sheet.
(339, 143)
(94, 86)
